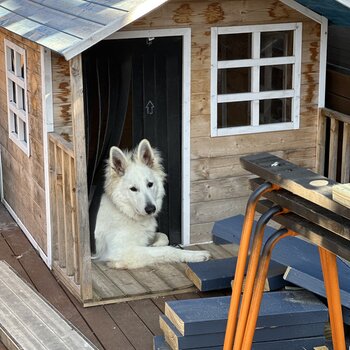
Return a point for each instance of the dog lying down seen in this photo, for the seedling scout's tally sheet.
(125, 233)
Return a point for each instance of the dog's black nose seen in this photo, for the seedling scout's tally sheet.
(150, 209)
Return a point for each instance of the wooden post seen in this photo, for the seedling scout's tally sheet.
(333, 149)
(320, 149)
(82, 206)
(345, 164)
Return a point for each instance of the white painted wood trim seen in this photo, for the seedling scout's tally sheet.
(257, 28)
(323, 63)
(47, 111)
(25, 231)
(252, 129)
(250, 96)
(254, 62)
(186, 113)
(298, 39)
(213, 83)
(303, 10)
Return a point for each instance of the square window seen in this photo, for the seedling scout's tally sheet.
(255, 78)
(17, 95)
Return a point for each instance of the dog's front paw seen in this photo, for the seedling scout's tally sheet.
(202, 255)
(161, 240)
(116, 265)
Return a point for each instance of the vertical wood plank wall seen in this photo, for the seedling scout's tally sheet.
(23, 176)
(218, 184)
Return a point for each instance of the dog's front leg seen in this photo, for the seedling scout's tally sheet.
(135, 257)
(160, 240)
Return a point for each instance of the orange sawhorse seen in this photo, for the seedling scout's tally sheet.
(241, 330)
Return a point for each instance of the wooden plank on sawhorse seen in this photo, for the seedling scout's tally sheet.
(300, 181)
(306, 209)
(27, 321)
(314, 233)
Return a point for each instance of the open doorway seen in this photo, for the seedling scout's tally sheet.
(133, 90)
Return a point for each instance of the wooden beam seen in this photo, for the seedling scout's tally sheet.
(82, 206)
(300, 181)
(307, 210)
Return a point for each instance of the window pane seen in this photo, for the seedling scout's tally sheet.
(21, 102)
(10, 59)
(276, 44)
(276, 77)
(234, 80)
(24, 132)
(19, 65)
(14, 123)
(13, 92)
(233, 114)
(234, 46)
(278, 110)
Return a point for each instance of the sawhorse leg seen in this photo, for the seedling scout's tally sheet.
(331, 283)
(259, 286)
(251, 273)
(241, 262)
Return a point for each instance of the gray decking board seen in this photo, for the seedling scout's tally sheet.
(29, 321)
(209, 315)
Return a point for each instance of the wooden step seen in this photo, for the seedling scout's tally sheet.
(218, 274)
(28, 321)
(209, 315)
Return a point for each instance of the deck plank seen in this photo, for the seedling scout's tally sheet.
(45, 282)
(131, 325)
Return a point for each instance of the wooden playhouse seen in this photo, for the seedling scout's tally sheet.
(205, 81)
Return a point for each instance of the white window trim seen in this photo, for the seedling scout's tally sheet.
(255, 95)
(11, 107)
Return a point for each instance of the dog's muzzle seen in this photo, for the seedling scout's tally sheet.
(150, 209)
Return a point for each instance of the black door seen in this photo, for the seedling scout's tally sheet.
(139, 83)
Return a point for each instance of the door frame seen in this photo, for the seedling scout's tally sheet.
(185, 33)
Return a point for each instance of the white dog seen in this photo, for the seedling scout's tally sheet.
(126, 223)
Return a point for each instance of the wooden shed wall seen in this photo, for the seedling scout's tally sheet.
(23, 177)
(218, 184)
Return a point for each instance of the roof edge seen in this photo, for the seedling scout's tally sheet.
(111, 28)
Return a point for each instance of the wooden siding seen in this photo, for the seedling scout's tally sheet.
(61, 91)
(219, 186)
(23, 177)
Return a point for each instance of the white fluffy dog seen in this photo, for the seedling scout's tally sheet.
(126, 224)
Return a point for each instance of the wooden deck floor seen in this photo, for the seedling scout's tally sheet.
(127, 325)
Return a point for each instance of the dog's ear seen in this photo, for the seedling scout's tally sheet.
(117, 160)
(145, 153)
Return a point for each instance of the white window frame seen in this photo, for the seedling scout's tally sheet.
(21, 137)
(255, 63)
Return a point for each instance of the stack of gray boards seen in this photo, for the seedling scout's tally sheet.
(287, 320)
(301, 258)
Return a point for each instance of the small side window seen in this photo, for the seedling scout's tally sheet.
(15, 59)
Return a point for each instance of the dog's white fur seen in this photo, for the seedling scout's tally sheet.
(125, 233)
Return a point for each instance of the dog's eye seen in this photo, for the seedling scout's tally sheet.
(133, 188)
(150, 184)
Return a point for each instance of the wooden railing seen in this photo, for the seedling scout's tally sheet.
(69, 262)
(333, 145)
